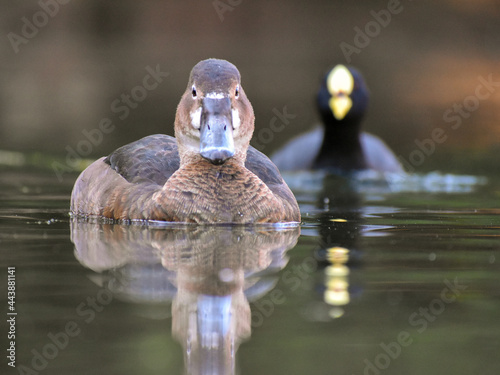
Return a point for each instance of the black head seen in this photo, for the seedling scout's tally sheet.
(342, 97)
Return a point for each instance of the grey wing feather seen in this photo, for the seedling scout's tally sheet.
(300, 152)
(263, 167)
(378, 155)
(154, 158)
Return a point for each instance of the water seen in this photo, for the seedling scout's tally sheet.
(381, 278)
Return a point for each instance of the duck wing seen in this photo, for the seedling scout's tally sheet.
(300, 152)
(378, 155)
(264, 168)
(153, 158)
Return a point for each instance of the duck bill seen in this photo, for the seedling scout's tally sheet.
(216, 130)
(340, 106)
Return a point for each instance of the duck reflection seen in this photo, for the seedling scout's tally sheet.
(208, 273)
(340, 227)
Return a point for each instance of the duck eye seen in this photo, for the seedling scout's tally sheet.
(193, 92)
(237, 92)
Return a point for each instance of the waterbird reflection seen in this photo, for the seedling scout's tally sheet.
(337, 253)
(208, 273)
(340, 216)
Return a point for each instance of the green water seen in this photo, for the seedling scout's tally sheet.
(378, 280)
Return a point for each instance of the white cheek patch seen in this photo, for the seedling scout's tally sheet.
(196, 118)
(236, 118)
(215, 95)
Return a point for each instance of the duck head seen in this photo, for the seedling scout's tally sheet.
(214, 119)
(343, 96)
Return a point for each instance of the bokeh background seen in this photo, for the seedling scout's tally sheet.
(61, 77)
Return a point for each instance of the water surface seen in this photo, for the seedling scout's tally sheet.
(379, 279)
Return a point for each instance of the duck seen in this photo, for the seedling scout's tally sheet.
(207, 174)
(339, 145)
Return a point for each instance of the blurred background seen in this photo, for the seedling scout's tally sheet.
(66, 65)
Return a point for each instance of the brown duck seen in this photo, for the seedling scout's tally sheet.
(207, 174)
